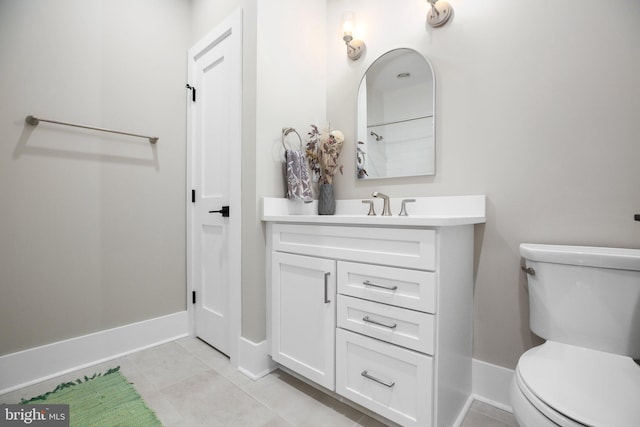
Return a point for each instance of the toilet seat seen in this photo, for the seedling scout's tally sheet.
(531, 411)
(575, 386)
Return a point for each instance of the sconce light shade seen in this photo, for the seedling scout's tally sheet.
(355, 47)
(439, 13)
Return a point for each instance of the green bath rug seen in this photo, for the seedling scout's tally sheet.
(103, 400)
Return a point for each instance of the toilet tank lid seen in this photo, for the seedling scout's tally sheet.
(590, 256)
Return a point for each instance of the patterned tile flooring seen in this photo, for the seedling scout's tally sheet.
(187, 383)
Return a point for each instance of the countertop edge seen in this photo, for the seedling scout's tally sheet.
(409, 221)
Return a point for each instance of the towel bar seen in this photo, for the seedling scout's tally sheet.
(33, 120)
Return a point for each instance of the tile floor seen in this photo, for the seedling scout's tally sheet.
(187, 383)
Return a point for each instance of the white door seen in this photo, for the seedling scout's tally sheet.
(214, 138)
(304, 315)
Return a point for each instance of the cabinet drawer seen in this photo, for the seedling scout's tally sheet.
(402, 247)
(395, 286)
(392, 381)
(408, 328)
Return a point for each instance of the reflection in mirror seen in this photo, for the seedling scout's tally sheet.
(395, 117)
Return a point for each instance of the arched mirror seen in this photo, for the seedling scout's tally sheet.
(395, 117)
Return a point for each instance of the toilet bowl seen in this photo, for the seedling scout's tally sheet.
(585, 302)
(569, 386)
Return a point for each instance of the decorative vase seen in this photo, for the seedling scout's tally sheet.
(326, 200)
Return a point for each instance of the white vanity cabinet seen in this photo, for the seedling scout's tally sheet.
(380, 314)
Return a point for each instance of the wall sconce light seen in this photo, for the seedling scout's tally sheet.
(439, 13)
(355, 47)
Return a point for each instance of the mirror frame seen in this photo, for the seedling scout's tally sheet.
(357, 112)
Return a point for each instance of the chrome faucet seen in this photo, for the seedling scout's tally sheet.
(386, 210)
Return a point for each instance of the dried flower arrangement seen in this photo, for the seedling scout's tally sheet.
(322, 152)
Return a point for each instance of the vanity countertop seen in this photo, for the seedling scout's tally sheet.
(424, 212)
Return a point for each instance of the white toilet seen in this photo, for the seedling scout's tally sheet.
(585, 302)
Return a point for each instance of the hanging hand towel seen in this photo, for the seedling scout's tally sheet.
(298, 182)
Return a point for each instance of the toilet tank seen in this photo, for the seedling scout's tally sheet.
(585, 296)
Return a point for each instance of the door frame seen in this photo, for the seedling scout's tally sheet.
(230, 27)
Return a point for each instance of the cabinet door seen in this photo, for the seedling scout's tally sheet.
(303, 317)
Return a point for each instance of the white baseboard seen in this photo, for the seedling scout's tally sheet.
(491, 384)
(37, 364)
(463, 413)
(253, 359)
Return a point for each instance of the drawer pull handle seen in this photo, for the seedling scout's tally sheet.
(326, 287)
(375, 322)
(378, 380)
(376, 285)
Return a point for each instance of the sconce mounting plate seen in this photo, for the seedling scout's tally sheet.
(444, 12)
(355, 49)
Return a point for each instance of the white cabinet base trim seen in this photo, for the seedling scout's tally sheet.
(491, 384)
(254, 360)
(26, 367)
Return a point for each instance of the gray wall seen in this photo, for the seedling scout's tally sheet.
(109, 248)
(92, 225)
(537, 108)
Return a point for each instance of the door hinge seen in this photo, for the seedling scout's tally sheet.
(193, 92)
(193, 196)
(193, 297)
